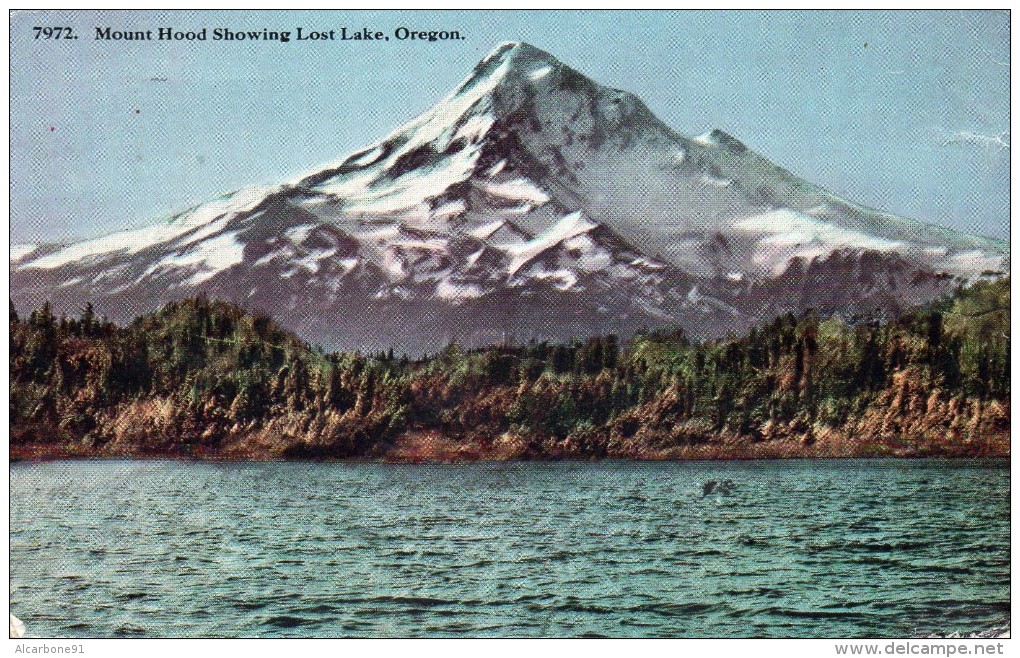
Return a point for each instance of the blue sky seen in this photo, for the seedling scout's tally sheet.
(904, 111)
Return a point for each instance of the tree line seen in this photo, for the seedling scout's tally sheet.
(206, 378)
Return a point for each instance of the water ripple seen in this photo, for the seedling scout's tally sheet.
(614, 549)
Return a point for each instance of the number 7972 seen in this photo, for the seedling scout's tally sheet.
(53, 33)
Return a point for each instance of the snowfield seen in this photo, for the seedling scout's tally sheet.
(533, 199)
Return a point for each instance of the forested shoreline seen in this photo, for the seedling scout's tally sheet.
(206, 379)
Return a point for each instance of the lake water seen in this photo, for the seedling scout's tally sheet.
(843, 548)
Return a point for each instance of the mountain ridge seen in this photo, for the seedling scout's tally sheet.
(601, 217)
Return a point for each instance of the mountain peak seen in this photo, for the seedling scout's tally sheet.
(509, 63)
(519, 51)
(530, 199)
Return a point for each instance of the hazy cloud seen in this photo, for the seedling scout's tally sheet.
(970, 138)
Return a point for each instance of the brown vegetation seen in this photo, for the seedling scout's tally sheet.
(202, 379)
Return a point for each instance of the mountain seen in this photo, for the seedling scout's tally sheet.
(529, 203)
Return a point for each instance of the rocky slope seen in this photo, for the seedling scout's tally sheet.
(529, 203)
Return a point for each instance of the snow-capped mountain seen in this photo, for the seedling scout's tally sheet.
(529, 203)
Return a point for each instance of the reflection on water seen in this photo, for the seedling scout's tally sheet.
(799, 548)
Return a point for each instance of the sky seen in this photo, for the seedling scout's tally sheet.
(903, 111)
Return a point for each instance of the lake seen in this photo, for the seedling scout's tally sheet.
(800, 548)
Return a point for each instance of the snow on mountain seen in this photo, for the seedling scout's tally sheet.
(191, 226)
(19, 251)
(529, 202)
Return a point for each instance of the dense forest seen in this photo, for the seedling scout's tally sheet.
(206, 379)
